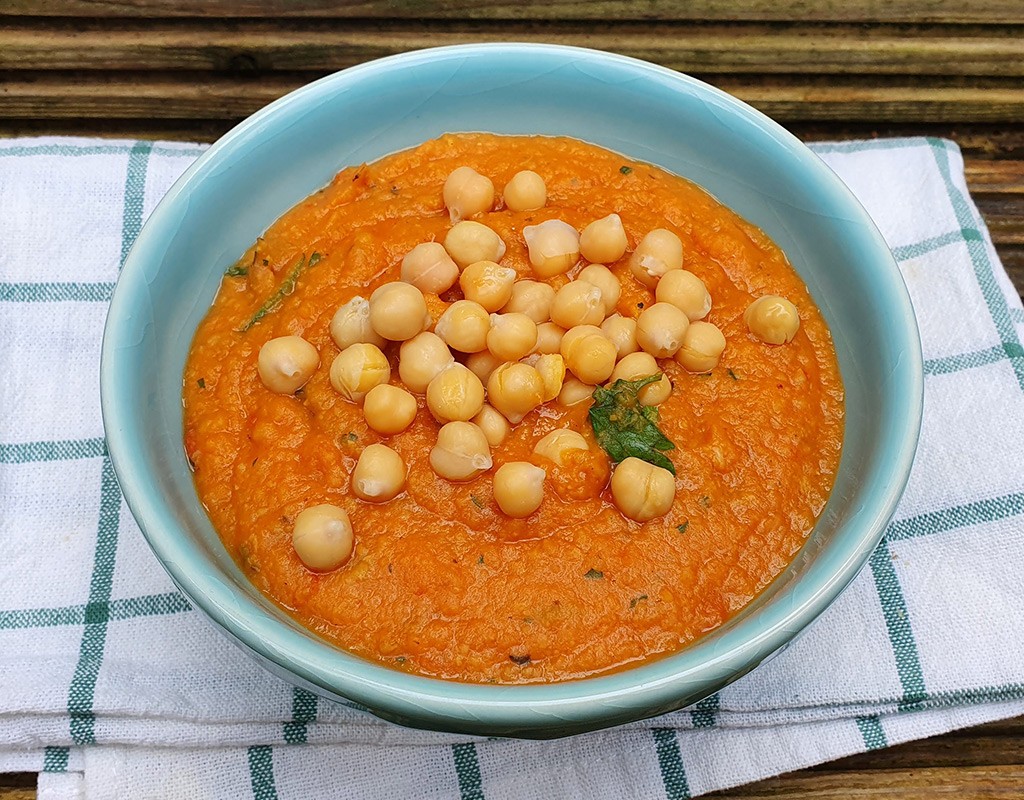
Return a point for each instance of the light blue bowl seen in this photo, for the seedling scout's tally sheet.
(295, 145)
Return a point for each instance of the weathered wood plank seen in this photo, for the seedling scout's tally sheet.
(1004, 782)
(997, 11)
(228, 46)
(201, 96)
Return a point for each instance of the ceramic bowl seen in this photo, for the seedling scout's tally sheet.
(295, 145)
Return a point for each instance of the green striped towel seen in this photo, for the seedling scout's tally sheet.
(111, 686)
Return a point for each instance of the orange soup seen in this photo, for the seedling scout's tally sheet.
(458, 548)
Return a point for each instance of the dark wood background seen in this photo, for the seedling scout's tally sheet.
(831, 69)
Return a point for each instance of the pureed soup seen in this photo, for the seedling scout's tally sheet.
(512, 409)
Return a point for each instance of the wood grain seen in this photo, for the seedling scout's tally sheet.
(327, 45)
(201, 96)
(960, 11)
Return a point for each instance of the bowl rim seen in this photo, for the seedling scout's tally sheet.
(527, 710)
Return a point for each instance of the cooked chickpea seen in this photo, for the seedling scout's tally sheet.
(351, 324)
(642, 365)
(555, 445)
(526, 191)
(660, 329)
(590, 357)
(461, 452)
(467, 192)
(468, 242)
(464, 326)
(657, 253)
(493, 424)
(379, 474)
(482, 364)
(286, 363)
(551, 368)
(574, 333)
(322, 537)
(357, 369)
(531, 298)
(685, 291)
(549, 338)
(622, 331)
(515, 390)
(554, 247)
(702, 347)
(574, 391)
(604, 240)
(519, 488)
(429, 268)
(421, 358)
(488, 284)
(604, 279)
(642, 491)
(511, 336)
(398, 311)
(577, 303)
(772, 319)
(389, 409)
(455, 394)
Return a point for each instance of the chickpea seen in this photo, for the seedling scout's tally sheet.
(604, 240)
(642, 365)
(429, 268)
(461, 452)
(549, 338)
(554, 446)
(389, 409)
(357, 369)
(702, 347)
(554, 247)
(322, 537)
(660, 329)
(398, 311)
(685, 291)
(577, 303)
(658, 252)
(622, 331)
(511, 336)
(468, 242)
(531, 298)
(455, 394)
(526, 191)
(351, 324)
(642, 491)
(519, 488)
(551, 368)
(286, 363)
(493, 424)
(421, 358)
(379, 474)
(590, 357)
(488, 284)
(575, 391)
(604, 279)
(467, 192)
(574, 333)
(772, 319)
(463, 326)
(482, 364)
(515, 390)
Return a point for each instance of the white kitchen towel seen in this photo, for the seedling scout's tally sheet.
(111, 686)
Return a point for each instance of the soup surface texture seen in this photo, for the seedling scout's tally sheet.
(441, 582)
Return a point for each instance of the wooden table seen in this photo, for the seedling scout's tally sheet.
(831, 69)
